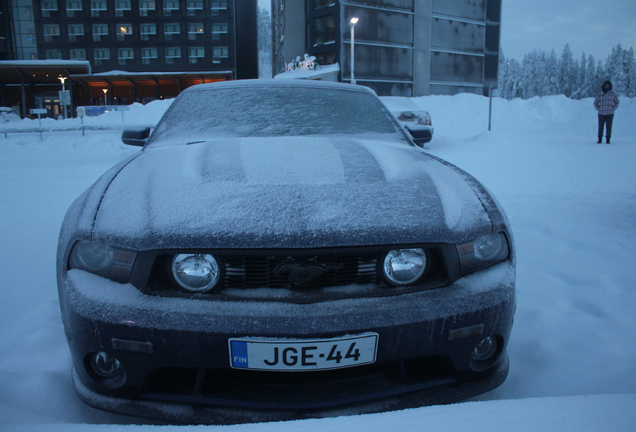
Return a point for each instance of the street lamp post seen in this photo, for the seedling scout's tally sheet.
(105, 91)
(353, 23)
(63, 95)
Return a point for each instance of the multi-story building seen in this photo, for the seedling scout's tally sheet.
(162, 46)
(402, 47)
(149, 35)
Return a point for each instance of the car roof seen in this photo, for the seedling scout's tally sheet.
(270, 83)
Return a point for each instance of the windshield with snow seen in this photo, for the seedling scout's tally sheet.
(269, 112)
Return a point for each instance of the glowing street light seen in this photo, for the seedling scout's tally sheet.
(352, 23)
(105, 91)
(63, 94)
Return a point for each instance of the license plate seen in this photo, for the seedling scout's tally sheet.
(303, 354)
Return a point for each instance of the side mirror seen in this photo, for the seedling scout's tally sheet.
(136, 136)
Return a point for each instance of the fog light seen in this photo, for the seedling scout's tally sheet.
(106, 370)
(484, 349)
(105, 366)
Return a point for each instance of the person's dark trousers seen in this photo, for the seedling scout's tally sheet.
(605, 121)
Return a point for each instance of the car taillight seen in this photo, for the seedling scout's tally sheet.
(425, 120)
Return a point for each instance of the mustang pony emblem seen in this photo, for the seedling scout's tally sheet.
(304, 272)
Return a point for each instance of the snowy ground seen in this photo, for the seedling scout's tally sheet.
(572, 206)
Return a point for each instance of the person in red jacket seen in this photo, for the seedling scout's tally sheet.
(605, 103)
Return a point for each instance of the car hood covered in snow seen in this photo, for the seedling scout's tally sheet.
(284, 192)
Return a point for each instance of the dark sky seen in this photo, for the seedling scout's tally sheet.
(589, 26)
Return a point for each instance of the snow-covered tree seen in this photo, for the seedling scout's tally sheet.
(542, 74)
(566, 73)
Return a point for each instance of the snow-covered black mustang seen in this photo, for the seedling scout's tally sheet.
(283, 250)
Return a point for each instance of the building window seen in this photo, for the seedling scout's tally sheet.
(147, 30)
(170, 6)
(194, 6)
(218, 29)
(171, 29)
(145, 6)
(75, 30)
(218, 4)
(124, 54)
(194, 29)
(78, 54)
(196, 53)
(97, 6)
(53, 54)
(48, 7)
(99, 30)
(172, 53)
(124, 30)
(323, 3)
(73, 6)
(121, 6)
(101, 55)
(325, 29)
(147, 54)
(219, 53)
(51, 31)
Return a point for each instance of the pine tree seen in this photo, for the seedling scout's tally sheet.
(581, 72)
(631, 73)
(590, 78)
(566, 73)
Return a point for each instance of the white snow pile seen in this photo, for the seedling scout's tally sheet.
(571, 203)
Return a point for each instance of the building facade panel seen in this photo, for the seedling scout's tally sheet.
(457, 35)
(468, 9)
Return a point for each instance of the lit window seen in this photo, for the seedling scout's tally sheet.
(124, 30)
(194, 29)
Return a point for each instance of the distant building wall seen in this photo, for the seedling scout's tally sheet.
(402, 47)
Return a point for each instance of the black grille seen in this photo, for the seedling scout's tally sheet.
(299, 390)
(256, 272)
(306, 273)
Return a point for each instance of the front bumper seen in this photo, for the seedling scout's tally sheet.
(182, 373)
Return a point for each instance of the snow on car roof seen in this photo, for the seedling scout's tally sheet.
(279, 84)
(399, 103)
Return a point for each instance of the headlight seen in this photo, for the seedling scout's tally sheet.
(103, 260)
(487, 250)
(196, 272)
(404, 266)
